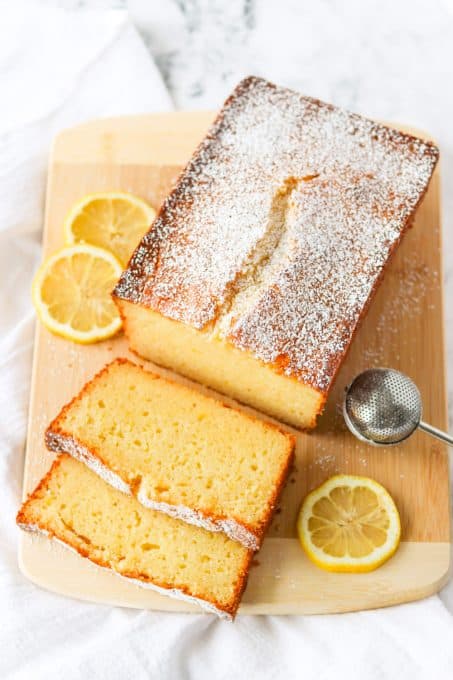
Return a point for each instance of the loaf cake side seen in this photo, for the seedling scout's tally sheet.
(176, 450)
(271, 246)
(74, 506)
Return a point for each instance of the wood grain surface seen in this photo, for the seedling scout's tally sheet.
(403, 329)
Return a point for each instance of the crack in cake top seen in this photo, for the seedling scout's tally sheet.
(287, 281)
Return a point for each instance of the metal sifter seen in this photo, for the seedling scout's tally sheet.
(383, 407)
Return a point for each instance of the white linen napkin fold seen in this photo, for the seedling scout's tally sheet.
(58, 68)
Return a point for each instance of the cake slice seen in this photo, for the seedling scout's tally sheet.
(263, 260)
(177, 450)
(74, 506)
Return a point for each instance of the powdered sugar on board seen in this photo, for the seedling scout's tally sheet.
(307, 275)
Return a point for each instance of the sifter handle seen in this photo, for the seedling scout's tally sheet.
(434, 432)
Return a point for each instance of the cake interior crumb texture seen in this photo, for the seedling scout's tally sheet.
(177, 450)
(262, 261)
(113, 530)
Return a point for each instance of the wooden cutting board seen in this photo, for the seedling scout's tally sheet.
(404, 329)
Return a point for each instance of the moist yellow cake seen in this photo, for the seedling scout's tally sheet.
(76, 507)
(263, 260)
(177, 450)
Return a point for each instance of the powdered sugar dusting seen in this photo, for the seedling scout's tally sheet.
(61, 443)
(289, 287)
(234, 530)
(237, 532)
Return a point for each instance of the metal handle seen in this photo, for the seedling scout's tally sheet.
(434, 432)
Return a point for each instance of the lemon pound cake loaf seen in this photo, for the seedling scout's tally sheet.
(177, 450)
(263, 259)
(74, 506)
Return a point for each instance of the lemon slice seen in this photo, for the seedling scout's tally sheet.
(114, 221)
(349, 524)
(71, 293)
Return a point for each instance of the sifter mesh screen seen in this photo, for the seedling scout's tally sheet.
(383, 406)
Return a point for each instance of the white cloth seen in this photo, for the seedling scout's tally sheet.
(59, 68)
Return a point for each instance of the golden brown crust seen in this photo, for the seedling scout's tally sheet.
(20, 517)
(380, 174)
(24, 520)
(277, 490)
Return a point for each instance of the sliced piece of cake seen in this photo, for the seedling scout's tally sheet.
(74, 506)
(177, 450)
(264, 258)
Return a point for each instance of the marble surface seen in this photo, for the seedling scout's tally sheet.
(392, 60)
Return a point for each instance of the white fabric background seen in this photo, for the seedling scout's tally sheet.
(58, 68)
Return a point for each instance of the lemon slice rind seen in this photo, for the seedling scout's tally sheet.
(100, 229)
(66, 330)
(378, 555)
